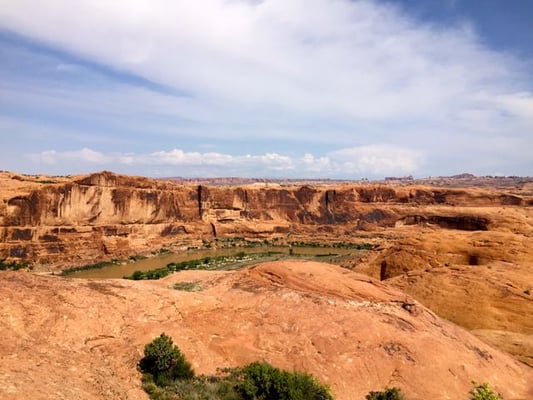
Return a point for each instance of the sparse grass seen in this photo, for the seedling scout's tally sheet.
(198, 388)
(188, 286)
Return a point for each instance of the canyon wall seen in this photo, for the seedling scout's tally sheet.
(72, 221)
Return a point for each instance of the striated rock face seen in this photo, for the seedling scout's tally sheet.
(481, 280)
(81, 339)
(77, 220)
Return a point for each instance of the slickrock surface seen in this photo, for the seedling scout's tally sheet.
(79, 339)
(481, 280)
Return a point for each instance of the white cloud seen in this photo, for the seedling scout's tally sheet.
(359, 59)
(80, 156)
(518, 104)
(378, 160)
(373, 161)
(345, 74)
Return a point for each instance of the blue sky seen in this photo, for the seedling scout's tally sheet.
(277, 88)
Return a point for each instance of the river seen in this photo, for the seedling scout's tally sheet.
(128, 267)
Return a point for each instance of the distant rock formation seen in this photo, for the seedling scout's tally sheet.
(62, 222)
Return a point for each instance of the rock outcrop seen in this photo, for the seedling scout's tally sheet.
(81, 339)
(480, 280)
(72, 221)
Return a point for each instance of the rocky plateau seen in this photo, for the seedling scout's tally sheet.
(445, 255)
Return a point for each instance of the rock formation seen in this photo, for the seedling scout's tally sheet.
(61, 222)
(81, 339)
(466, 253)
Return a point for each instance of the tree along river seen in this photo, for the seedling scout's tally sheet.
(126, 268)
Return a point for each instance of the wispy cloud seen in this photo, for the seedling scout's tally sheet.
(376, 89)
(372, 160)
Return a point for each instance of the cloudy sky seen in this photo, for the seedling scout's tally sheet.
(267, 88)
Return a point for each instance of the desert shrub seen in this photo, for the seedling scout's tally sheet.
(202, 387)
(98, 265)
(168, 376)
(164, 361)
(387, 394)
(14, 266)
(137, 275)
(482, 391)
(265, 382)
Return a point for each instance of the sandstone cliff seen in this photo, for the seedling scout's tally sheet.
(70, 221)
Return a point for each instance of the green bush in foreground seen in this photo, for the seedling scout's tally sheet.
(168, 375)
(482, 391)
(388, 394)
(263, 381)
(164, 361)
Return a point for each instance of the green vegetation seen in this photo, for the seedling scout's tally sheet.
(336, 245)
(242, 242)
(482, 391)
(387, 394)
(326, 255)
(206, 263)
(12, 266)
(168, 375)
(164, 362)
(263, 381)
(201, 388)
(246, 253)
(162, 250)
(86, 267)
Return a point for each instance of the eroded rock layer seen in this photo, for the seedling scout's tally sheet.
(66, 221)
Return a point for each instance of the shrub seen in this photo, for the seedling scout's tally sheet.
(388, 394)
(12, 265)
(168, 376)
(164, 361)
(262, 381)
(202, 388)
(482, 391)
(137, 275)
